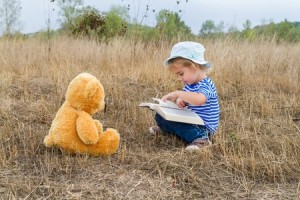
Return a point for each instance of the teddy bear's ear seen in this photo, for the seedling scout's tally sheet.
(91, 88)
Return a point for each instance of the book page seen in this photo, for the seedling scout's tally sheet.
(167, 103)
(150, 105)
(185, 116)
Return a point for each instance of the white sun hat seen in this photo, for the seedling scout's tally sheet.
(189, 50)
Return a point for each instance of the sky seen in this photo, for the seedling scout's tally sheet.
(35, 13)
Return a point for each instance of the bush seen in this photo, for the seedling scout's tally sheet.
(89, 23)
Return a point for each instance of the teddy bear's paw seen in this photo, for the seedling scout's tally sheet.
(116, 133)
(107, 145)
(48, 141)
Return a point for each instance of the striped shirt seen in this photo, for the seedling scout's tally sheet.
(209, 111)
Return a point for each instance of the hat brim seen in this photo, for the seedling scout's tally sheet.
(203, 63)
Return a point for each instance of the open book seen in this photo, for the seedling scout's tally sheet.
(171, 112)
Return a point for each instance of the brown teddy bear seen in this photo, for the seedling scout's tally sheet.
(73, 128)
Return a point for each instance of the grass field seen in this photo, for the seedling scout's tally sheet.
(255, 155)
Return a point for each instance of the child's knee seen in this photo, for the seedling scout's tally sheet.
(158, 118)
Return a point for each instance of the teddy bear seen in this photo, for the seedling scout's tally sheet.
(73, 128)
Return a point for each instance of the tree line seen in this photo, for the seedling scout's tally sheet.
(85, 21)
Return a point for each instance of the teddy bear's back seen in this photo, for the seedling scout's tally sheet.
(63, 127)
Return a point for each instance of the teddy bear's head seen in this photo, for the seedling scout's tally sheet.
(85, 92)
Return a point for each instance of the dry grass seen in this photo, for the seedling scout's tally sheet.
(255, 154)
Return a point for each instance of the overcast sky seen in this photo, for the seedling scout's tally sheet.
(35, 13)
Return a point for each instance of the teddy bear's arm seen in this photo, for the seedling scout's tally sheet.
(86, 128)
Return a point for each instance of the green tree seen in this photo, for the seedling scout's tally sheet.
(208, 27)
(233, 32)
(286, 31)
(116, 22)
(247, 25)
(283, 31)
(220, 27)
(69, 10)
(10, 11)
(247, 32)
(268, 30)
(170, 25)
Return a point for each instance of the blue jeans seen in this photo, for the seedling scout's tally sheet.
(186, 132)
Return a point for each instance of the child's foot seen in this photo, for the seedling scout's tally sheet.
(154, 130)
(197, 144)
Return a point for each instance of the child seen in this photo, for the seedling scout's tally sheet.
(199, 94)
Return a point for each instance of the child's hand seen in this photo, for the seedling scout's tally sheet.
(180, 103)
(171, 97)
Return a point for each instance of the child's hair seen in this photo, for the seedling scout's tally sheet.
(186, 63)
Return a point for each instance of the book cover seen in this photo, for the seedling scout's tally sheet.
(171, 112)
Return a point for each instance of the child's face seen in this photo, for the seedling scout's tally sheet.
(187, 75)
